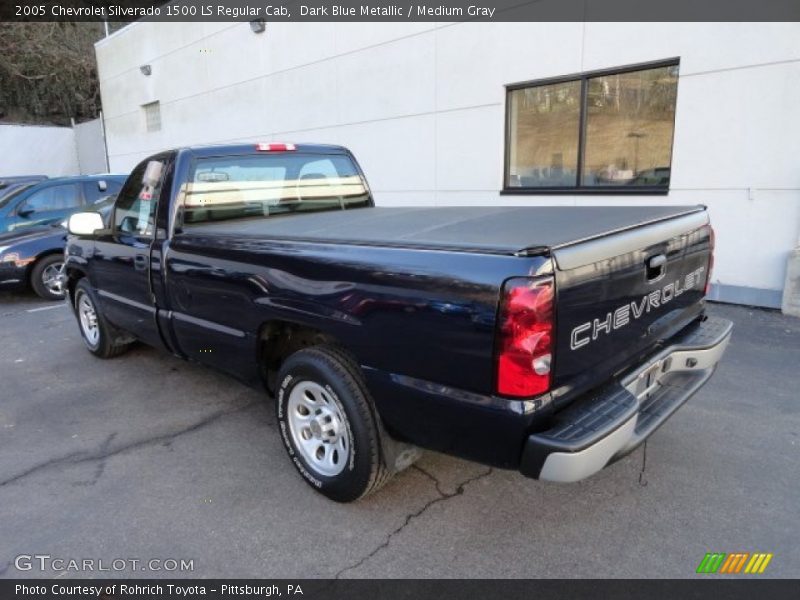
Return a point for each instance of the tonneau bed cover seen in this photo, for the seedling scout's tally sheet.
(500, 229)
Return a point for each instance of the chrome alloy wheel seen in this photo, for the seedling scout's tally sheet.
(51, 279)
(88, 318)
(319, 429)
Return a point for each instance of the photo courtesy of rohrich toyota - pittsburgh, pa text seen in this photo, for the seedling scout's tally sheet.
(373, 299)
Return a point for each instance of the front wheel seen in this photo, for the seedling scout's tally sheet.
(328, 424)
(99, 336)
(46, 277)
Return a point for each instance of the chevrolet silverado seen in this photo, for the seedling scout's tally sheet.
(551, 340)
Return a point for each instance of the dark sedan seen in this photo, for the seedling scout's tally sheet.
(33, 256)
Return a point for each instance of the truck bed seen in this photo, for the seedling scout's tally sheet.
(496, 230)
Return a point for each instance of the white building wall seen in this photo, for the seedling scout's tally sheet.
(52, 151)
(35, 150)
(422, 106)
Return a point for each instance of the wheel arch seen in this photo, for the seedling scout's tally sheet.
(38, 258)
(280, 338)
(74, 275)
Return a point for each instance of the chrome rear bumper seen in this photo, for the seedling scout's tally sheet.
(605, 426)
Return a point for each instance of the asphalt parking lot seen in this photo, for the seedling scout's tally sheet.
(146, 456)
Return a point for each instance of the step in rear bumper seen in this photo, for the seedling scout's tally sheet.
(606, 425)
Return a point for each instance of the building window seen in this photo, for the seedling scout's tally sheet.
(152, 116)
(608, 131)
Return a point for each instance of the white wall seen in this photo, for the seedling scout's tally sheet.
(52, 151)
(33, 150)
(90, 148)
(422, 106)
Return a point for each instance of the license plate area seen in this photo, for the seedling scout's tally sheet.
(648, 380)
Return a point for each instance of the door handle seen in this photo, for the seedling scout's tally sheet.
(140, 262)
(656, 267)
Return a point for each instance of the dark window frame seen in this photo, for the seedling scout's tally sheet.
(578, 188)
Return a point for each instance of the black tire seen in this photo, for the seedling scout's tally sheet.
(108, 342)
(365, 470)
(44, 268)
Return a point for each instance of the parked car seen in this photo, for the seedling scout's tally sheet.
(551, 340)
(53, 200)
(33, 256)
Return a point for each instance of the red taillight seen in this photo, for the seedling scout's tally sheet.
(525, 347)
(262, 147)
(712, 241)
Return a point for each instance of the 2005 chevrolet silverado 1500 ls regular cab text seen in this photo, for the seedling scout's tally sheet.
(552, 340)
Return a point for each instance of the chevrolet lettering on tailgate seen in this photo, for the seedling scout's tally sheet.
(587, 332)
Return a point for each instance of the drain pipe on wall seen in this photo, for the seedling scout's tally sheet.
(105, 142)
(75, 144)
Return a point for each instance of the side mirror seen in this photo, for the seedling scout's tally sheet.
(102, 186)
(25, 212)
(85, 223)
(152, 174)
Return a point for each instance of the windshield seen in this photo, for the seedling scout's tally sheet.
(11, 192)
(260, 186)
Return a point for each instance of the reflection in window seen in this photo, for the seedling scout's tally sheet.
(57, 197)
(628, 123)
(134, 211)
(543, 127)
(269, 185)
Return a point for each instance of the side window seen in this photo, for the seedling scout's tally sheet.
(135, 208)
(112, 188)
(93, 193)
(56, 197)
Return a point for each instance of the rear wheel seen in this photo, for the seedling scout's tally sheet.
(100, 337)
(46, 277)
(328, 424)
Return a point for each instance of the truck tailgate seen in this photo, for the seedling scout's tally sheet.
(620, 295)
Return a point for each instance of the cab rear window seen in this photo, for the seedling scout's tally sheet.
(263, 186)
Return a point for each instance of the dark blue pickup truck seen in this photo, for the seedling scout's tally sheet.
(552, 340)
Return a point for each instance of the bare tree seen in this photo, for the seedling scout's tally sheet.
(48, 71)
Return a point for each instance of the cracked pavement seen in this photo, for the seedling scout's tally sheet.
(146, 456)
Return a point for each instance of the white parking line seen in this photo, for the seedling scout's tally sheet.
(30, 310)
